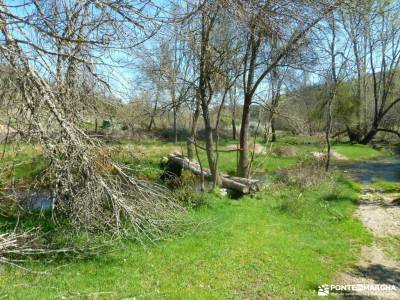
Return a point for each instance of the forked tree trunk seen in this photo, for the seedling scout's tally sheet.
(209, 145)
(206, 92)
(273, 134)
(175, 128)
(369, 136)
(244, 140)
(233, 129)
(193, 130)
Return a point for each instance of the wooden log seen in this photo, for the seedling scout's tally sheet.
(242, 185)
(253, 184)
(234, 185)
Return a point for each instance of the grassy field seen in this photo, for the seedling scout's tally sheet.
(282, 242)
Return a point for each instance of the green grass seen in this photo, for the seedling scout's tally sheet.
(281, 243)
(261, 163)
(145, 158)
(358, 152)
(386, 186)
(22, 162)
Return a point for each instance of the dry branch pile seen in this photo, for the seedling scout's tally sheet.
(52, 79)
(15, 245)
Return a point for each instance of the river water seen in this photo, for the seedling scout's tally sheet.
(387, 169)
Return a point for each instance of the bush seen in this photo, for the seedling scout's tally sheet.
(106, 124)
(285, 151)
(169, 134)
(184, 190)
(309, 172)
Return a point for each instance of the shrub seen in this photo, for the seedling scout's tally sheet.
(106, 124)
(308, 172)
(285, 151)
(184, 190)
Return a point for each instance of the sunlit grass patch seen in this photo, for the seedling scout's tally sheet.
(386, 186)
(358, 152)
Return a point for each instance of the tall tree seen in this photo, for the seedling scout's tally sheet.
(286, 22)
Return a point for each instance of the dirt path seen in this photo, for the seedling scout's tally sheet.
(380, 213)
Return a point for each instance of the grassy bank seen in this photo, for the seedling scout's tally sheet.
(282, 243)
(358, 152)
(386, 186)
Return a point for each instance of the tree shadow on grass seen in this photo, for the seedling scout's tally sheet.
(333, 197)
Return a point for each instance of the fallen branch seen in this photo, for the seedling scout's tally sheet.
(390, 131)
(337, 134)
(243, 185)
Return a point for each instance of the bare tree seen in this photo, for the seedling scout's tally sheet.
(205, 86)
(260, 59)
(372, 27)
(337, 51)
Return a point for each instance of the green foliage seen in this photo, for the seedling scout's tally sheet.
(226, 120)
(391, 246)
(347, 104)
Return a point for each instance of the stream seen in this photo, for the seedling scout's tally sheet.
(366, 172)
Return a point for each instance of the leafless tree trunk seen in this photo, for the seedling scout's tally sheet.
(332, 90)
(232, 97)
(205, 88)
(255, 42)
(193, 129)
